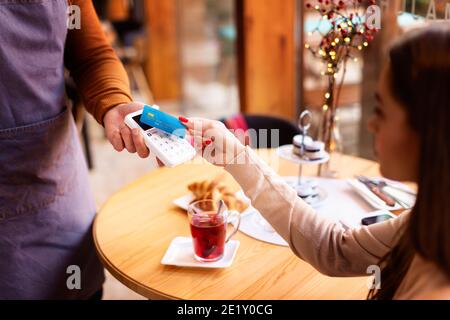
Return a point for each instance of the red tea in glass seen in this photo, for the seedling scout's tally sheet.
(208, 236)
(209, 229)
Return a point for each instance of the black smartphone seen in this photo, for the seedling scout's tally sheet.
(375, 219)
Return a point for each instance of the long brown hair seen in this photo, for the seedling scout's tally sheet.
(420, 81)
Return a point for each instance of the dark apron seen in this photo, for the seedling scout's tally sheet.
(46, 205)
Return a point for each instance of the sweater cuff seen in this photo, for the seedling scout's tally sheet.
(107, 103)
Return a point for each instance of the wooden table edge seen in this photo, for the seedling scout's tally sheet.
(123, 278)
(127, 281)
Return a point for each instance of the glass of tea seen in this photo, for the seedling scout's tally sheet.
(208, 220)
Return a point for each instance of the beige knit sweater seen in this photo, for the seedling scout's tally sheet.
(324, 244)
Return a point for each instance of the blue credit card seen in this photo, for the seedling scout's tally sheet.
(163, 121)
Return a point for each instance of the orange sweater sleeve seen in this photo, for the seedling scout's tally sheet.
(98, 73)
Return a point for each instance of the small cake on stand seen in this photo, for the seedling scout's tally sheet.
(305, 151)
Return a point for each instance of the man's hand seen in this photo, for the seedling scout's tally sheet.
(120, 135)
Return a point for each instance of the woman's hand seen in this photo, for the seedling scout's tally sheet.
(120, 135)
(219, 146)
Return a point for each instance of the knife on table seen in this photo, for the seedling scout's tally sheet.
(383, 185)
(373, 187)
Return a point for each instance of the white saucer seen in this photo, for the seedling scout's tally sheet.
(181, 254)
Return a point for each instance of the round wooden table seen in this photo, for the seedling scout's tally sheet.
(135, 227)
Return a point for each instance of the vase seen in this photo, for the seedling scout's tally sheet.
(334, 147)
(330, 133)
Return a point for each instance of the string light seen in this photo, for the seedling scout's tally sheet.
(328, 47)
(346, 37)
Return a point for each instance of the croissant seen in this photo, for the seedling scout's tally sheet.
(201, 188)
(234, 204)
(214, 190)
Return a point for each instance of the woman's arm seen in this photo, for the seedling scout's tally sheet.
(97, 71)
(315, 239)
(440, 294)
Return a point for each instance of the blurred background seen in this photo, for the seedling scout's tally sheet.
(220, 58)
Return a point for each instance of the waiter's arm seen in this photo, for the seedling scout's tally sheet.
(101, 80)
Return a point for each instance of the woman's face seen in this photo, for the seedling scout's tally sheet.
(396, 144)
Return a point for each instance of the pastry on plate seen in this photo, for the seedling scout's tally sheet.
(315, 150)
(297, 142)
(215, 190)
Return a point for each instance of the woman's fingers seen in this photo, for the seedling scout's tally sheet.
(184, 120)
(139, 144)
(200, 140)
(203, 127)
(197, 124)
(127, 139)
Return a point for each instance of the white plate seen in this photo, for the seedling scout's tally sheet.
(286, 152)
(255, 226)
(181, 254)
(372, 199)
